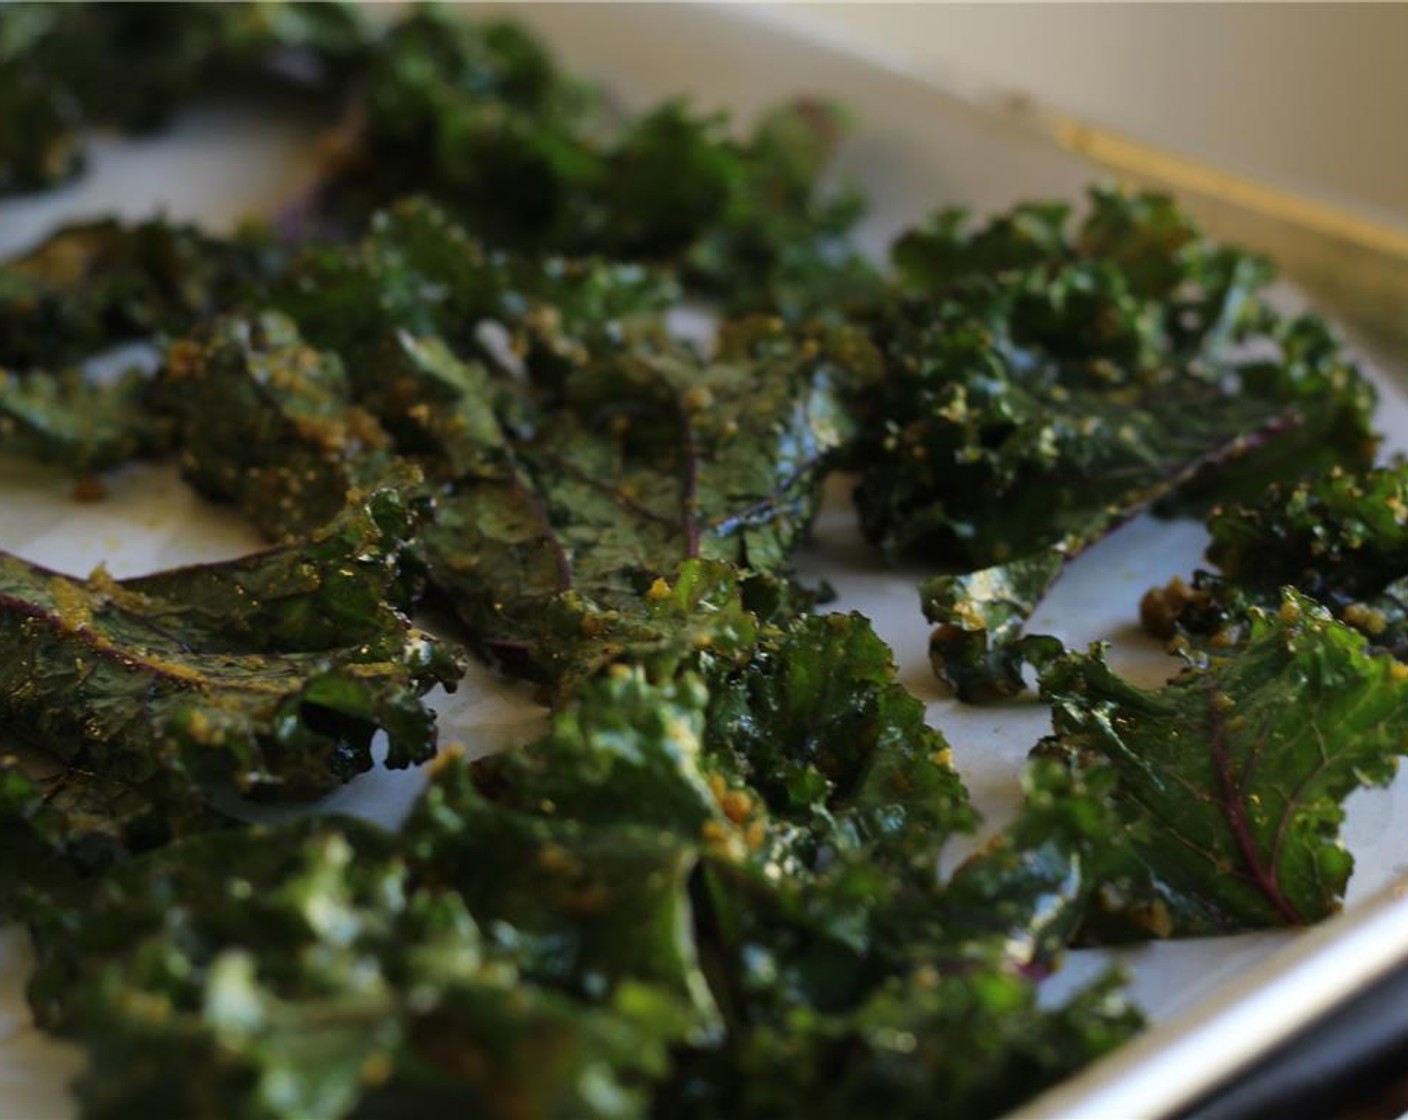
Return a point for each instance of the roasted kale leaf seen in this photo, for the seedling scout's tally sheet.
(67, 68)
(301, 972)
(79, 422)
(1230, 779)
(477, 116)
(267, 422)
(611, 922)
(654, 458)
(1341, 538)
(269, 674)
(91, 285)
(1044, 387)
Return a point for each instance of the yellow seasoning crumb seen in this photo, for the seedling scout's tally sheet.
(713, 832)
(698, 399)
(659, 590)
(444, 759)
(755, 835)
(376, 1070)
(736, 805)
(1366, 618)
(1154, 917)
(556, 860)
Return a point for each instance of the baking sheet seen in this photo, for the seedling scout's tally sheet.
(914, 150)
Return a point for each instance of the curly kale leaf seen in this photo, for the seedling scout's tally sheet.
(745, 220)
(271, 673)
(478, 117)
(65, 68)
(267, 422)
(600, 925)
(347, 584)
(473, 113)
(78, 422)
(977, 645)
(814, 900)
(587, 907)
(1341, 538)
(40, 145)
(793, 752)
(817, 730)
(1136, 285)
(1230, 779)
(980, 1044)
(869, 795)
(655, 458)
(1045, 388)
(550, 546)
(707, 618)
(1021, 900)
(93, 284)
(300, 972)
(419, 280)
(782, 242)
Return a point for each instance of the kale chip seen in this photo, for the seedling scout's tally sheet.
(477, 116)
(1339, 538)
(1230, 780)
(269, 675)
(67, 68)
(1042, 388)
(654, 458)
(91, 285)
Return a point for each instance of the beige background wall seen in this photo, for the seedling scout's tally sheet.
(1308, 97)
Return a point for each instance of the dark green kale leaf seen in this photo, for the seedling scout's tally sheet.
(478, 117)
(93, 284)
(601, 924)
(69, 67)
(654, 458)
(974, 1046)
(267, 422)
(793, 752)
(270, 674)
(813, 900)
(707, 619)
(39, 146)
(348, 584)
(783, 242)
(589, 906)
(1341, 538)
(55, 833)
(78, 422)
(805, 967)
(1230, 779)
(817, 731)
(300, 972)
(1020, 901)
(977, 645)
(859, 817)
(419, 280)
(1044, 388)
(826, 983)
